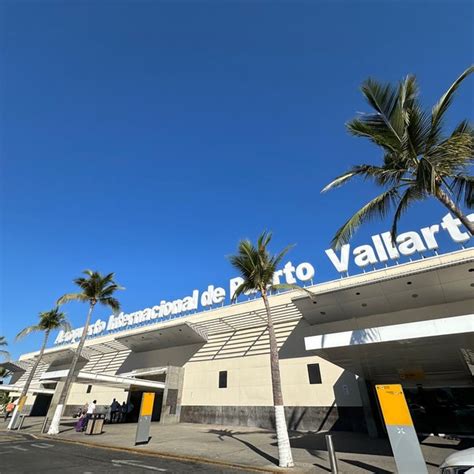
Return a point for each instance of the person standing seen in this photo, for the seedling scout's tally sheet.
(90, 411)
(114, 411)
(123, 412)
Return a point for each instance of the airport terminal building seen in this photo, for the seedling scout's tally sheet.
(410, 323)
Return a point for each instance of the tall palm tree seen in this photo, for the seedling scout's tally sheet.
(95, 288)
(257, 268)
(3, 352)
(48, 321)
(419, 159)
(4, 399)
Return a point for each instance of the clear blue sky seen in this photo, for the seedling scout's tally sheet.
(147, 138)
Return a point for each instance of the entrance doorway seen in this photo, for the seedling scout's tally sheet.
(41, 405)
(135, 400)
(441, 410)
(437, 410)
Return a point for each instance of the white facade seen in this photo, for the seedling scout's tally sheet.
(384, 326)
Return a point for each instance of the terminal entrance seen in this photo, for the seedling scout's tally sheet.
(437, 383)
(41, 405)
(445, 410)
(135, 400)
(434, 410)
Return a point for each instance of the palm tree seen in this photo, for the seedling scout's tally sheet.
(95, 288)
(257, 268)
(3, 342)
(49, 321)
(419, 160)
(4, 400)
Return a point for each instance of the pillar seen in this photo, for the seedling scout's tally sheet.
(171, 407)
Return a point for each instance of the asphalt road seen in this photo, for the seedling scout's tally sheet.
(22, 453)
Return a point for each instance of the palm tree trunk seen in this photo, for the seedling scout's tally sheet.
(22, 400)
(284, 449)
(451, 205)
(54, 428)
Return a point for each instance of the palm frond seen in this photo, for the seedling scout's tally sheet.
(416, 122)
(242, 288)
(463, 127)
(463, 187)
(4, 353)
(426, 176)
(374, 128)
(380, 175)
(340, 180)
(263, 240)
(379, 206)
(454, 155)
(49, 320)
(28, 330)
(440, 108)
(255, 264)
(65, 326)
(110, 290)
(276, 260)
(384, 99)
(410, 195)
(95, 288)
(68, 297)
(112, 303)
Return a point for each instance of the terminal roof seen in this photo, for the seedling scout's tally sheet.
(148, 339)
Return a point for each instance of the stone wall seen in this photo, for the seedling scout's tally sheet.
(298, 418)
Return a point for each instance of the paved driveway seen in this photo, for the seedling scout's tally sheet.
(22, 453)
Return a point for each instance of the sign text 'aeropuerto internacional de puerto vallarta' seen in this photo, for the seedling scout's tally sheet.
(382, 250)
(168, 310)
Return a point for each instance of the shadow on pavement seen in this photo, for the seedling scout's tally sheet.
(344, 442)
(367, 467)
(324, 468)
(221, 434)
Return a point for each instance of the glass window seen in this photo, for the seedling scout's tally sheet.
(314, 374)
(223, 379)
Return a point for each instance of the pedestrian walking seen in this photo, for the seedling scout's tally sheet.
(9, 409)
(81, 422)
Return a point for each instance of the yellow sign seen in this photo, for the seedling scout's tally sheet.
(147, 404)
(21, 403)
(415, 373)
(393, 404)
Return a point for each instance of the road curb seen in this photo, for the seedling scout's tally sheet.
(166, 455)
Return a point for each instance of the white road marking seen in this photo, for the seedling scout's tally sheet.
(119, 462)
(19, 448)
(42, 445)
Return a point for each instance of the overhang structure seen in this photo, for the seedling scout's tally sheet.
(180, 334)
(412, 323)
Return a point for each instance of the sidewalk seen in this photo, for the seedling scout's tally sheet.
(254, 447)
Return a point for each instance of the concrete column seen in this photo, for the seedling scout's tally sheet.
(171, 407)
